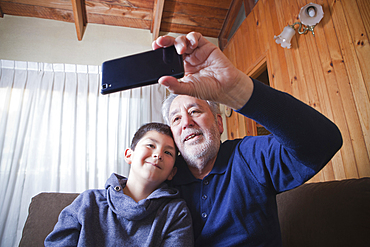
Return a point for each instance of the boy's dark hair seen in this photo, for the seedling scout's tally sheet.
(159, 127)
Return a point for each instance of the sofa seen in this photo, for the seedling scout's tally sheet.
(335, 213)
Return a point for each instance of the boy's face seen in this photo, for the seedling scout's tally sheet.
(153, 158)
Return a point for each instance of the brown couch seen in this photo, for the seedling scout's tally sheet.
(318, 214)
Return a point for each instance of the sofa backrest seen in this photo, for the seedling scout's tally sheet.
(43, 214)
(333, 213)
(319, 214)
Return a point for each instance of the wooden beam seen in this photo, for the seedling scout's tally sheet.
(229, 22)
(157, 18)
(248, 6)
(79, 14)
(231, 17)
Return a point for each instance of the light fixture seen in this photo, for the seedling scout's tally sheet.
(310, 15)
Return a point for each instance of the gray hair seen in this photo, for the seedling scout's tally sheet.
(215, 108)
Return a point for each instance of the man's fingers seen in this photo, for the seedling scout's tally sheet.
(163, 41)
(175, 86)
(193, 38)
(155, 45)
(181, 44)
(187, 44)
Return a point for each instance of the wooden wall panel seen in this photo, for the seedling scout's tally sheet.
(329, 71)
(356, 58)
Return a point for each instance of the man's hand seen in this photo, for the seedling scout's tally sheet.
(209, 74)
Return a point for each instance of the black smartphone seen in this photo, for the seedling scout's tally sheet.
(141, 69)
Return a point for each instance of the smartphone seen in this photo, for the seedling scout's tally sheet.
(141, 69)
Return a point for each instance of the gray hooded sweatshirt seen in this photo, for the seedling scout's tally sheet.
(111, 218)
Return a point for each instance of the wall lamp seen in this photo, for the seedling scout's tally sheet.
(310, 15)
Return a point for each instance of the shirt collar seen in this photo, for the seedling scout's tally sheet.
(184, 176)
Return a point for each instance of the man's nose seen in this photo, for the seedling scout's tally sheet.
(187, 121)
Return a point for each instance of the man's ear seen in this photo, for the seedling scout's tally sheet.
(128, 155)
(172, 174)
(220, 124)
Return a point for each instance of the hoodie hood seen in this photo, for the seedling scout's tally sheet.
(126, 207)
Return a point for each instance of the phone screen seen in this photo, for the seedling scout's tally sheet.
(141, 69)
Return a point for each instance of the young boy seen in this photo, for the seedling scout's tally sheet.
(140, 210)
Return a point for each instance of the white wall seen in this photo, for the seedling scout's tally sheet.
(41, 40)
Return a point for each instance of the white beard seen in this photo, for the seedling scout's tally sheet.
(198, 153)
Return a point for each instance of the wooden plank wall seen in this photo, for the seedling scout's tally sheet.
(330, 72)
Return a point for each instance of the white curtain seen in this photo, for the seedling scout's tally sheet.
(58, 133)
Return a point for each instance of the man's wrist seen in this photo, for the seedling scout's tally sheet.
(241, 93)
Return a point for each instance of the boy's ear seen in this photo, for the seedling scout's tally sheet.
(172, 173)
(128, 155)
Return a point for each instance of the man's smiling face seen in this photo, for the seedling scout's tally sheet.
(196, 131)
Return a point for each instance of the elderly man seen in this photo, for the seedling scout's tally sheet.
(231, 187)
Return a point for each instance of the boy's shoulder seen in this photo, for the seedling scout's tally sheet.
(89, 196)
(164, 191)
(171, 196)
(93, 193)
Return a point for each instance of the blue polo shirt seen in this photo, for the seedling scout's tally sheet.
(235, 204)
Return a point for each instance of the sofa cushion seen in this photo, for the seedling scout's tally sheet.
(326, 214)
(43, 214)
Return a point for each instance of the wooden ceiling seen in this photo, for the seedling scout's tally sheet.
(178, 16)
